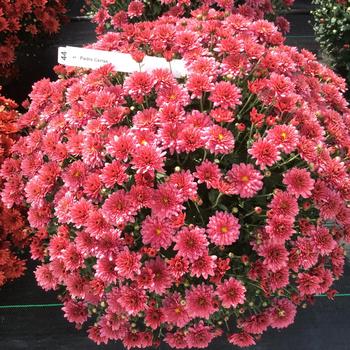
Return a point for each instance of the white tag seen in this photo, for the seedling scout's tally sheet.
(123, 62)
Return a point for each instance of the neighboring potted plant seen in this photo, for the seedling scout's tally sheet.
(13, 235)
(332, 30)
(22, 22)
(182, 209)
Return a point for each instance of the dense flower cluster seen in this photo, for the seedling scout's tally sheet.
(12, 232)
(332, 29)
(114, 14)
(21, 21)
(173, 209)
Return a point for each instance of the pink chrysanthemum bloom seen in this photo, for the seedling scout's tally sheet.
(118, 208)
(256, 324)
(148, 158)
(208, 173)
(299, 182)
(199, 301)
(241, 339)
(231, 293)
(191, 243)
(308, 284)
(157, 232)
(284, 203)
(265, 153)
(75, 311)
(245, 180)
(278, 279)
(223, 228)
(132, 300)
(200, 335)
(167, 201)
(162, 279)
(198, 83)
(45, 277)
(174, 310)
(154, 317)
(275, 256)
(128, 264)
(113, 173)
(204, 266)
(219, 140)
(280, 228)
(286, 137)
(79, 212)
(185, 183)
(138, 84)
(226, 95)
(176, 340)
(135, 8)
(282, 313)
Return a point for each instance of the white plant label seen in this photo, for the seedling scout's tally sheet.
(123, 62)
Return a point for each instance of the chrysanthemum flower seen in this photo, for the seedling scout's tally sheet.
(225, 95)
(174, 310)
(157, 232)
(241, 339)
(199, 301)
(208, 173)
(223, 228)
(191, 243)
(219, 140)
(265, 153)
(244, 180)
(299, 182)
(231, 292)
(282, 313)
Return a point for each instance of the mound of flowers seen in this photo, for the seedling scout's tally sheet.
(13, 235)
(21, 21)
(332, 30)
(184, 209)
(114, 14)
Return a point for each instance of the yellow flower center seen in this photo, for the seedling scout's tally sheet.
(224, 229)
(283, 136)
(158, 231)
(245, 178)
(177, 310)
(220, 137)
